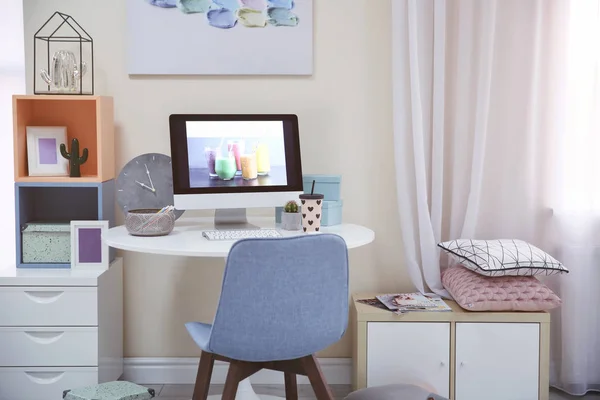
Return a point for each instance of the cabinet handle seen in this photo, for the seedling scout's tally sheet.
(44, 337)
(44, 377)
(44, 297)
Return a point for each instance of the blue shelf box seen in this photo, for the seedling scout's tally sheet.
(44, 212)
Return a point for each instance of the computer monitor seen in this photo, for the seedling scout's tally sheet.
(234, 162)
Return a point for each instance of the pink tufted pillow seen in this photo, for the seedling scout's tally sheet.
(476, 292)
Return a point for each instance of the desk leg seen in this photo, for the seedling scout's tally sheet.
(245, 392)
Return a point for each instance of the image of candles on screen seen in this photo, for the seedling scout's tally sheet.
(236, 153)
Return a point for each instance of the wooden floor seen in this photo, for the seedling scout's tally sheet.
(184, 392)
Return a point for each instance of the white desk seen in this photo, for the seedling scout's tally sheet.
(187, 240)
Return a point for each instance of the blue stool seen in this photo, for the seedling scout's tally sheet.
(282, 301)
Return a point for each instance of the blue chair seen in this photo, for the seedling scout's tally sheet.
(282, 300)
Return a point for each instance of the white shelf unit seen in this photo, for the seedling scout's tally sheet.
(59, 329)
(461, 355)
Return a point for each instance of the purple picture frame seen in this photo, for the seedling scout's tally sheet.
(43, 151)
(88, 250)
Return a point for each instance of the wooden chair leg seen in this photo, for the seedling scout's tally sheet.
(205, 369)
(291, 386)
(317, 380)
(234, 376)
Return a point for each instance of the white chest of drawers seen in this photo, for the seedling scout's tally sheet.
(59, 329)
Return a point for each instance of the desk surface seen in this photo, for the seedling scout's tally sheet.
(187, 240)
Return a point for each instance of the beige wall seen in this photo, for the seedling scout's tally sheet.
(346, 127)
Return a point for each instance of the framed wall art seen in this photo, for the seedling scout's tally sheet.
(220, 37)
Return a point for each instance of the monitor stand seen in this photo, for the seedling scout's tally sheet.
(232, 218)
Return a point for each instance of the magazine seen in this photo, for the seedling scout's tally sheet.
(416, 302)
(374, 302)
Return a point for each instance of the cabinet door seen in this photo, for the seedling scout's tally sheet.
(409, 352)
(497, 361)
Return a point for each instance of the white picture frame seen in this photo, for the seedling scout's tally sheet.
(43, 151)
(88, 249)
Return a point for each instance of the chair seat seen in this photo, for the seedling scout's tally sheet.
(394, 392)
(200, 333)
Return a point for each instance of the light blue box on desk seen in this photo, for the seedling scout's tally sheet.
(327, 185)
(332, 212)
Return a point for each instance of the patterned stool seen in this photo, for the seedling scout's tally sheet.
(119, 390)
(394, 392)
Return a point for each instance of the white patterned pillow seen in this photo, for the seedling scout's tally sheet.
(503, 257)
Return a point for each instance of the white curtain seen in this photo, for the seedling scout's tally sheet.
(12, 81)
(497, 134)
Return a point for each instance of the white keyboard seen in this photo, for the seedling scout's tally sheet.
(241, 234)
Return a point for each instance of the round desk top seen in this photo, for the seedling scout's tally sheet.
(187, 240)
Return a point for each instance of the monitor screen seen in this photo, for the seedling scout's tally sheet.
(235, 153)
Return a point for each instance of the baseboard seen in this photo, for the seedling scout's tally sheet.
(162, 371)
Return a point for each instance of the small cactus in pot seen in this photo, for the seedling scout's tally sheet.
(291, 207)
(291, 220)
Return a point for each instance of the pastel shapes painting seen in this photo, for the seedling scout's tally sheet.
(287, 4)
(251, 18)
(220, 37)
(282, 17)
(221, 18)
(254, 4)
(163, 3)
(228, 4)
(194, 6)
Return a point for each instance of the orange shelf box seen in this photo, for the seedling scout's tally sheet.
(90, 119)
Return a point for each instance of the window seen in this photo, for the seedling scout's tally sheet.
(580, 134)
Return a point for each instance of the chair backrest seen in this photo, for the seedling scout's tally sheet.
(282, 298)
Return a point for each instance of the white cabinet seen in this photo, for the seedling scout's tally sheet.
(424, 349)
(43, 382)
(459, 354)
(498, 359)
(59, 329)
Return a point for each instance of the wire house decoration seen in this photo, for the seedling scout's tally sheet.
(64, 53)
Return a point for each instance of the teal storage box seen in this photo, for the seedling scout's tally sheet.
(46, 243)
(327, 185)
(119, 390)
(332, 213)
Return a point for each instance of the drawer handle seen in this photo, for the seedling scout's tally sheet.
(44, 377)
(44, 337)
(44, 297)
